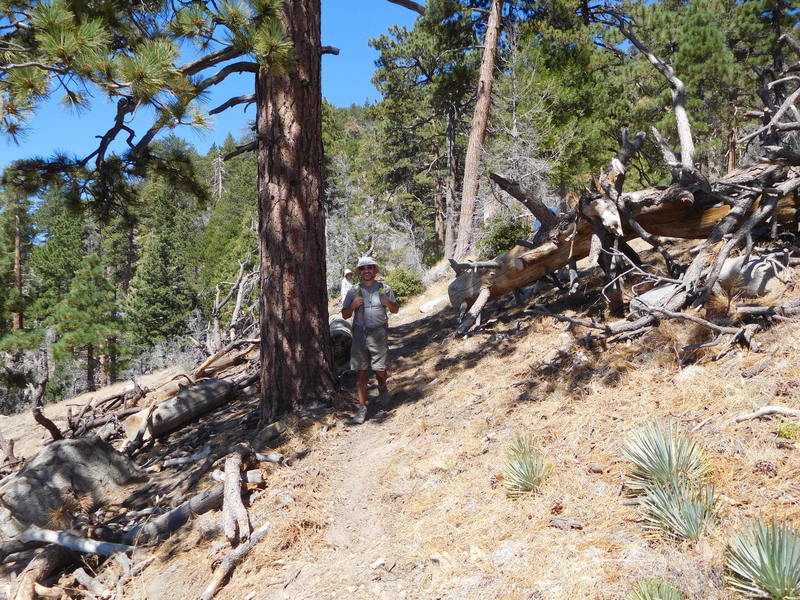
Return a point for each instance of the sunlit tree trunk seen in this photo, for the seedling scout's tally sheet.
(16, 317)
(480, 118)
(296, 355)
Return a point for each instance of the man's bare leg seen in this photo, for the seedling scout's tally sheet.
(361, 389)
(383, 389)
(362, 384)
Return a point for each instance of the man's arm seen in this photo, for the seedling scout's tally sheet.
(351, 303)
(389, 300)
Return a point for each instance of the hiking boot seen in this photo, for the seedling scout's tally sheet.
(361, 414)
(383, 395)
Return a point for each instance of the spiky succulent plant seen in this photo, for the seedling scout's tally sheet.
(764, 561)
(655, 589)
(663, 457)
(525, 468)
(680, 510)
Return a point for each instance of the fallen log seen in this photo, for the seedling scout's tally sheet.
(664, 212)
(46, 561)
(227, 565)
(171, 521)
(72, 542)
(189, 404)
(235, 520)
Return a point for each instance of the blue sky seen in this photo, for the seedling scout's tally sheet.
(346, 24)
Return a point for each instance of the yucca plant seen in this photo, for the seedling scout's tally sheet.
(764, 561)
(655, 589)
(525, 468)
(662, 457)
(680, 510)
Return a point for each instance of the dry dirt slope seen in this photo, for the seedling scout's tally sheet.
(406, 506)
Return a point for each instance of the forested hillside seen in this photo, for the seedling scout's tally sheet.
(120, 276)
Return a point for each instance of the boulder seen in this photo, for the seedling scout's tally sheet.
(87, 470)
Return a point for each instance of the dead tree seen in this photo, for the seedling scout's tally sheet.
(754, 201)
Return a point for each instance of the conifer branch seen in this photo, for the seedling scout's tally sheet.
(410, 5)
(247, 98)
(209, 60)
(249, 147)
(237, 67)
(38, 65)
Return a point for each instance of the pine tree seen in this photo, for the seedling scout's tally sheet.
(161, 299)
(15, 220)
(57, 257)
(86, 319)
(132, 54)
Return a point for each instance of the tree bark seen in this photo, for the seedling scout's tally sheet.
(90, 368)
(450, 189)
(296, 355)
(16, 317)
(472, 162)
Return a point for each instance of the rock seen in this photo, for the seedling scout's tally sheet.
(377, 564)
(657, 297)
(508, 553)
(753, 278)
(436, 304)
(86, 470)
(689, 373)
(596, 468)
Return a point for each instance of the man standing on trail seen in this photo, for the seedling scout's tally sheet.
(369, 301)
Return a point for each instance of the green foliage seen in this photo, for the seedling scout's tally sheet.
(161, 299)
(525, 469)
(655, 589)
(55, 261)
(21, 340)
(662, 457)
(787, 430)
(679, 510)
(86, 317)
(764, 561)
(404, 283)
(500, 235)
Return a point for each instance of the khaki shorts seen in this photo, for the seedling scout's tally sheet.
(369, 349)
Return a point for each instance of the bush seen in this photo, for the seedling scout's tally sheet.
(500, 236)
(764, 562)
(404, 283)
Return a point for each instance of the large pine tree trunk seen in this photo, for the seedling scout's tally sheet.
(90, 368)
(296, 355)
(16, 317)
(450, 190)
(472, 162)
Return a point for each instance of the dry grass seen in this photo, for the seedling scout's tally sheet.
(420, 486)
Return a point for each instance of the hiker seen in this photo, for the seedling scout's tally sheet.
(347, 283)
(369, 301)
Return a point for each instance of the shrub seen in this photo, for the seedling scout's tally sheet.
(525, 469)
(787, 430)
(500, 236)
(681, 511)
(663, 458)
(404, 283)
(764, 562)
(654, 589)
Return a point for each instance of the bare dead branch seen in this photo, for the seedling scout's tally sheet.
(410, 5)
(765, 411)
